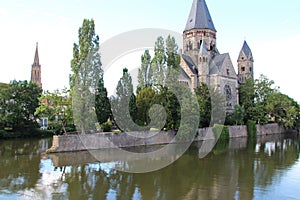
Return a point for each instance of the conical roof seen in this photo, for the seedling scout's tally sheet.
(36, 57)
(246, 51)
(199, 17)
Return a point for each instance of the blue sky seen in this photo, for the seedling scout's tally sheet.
(271, 29)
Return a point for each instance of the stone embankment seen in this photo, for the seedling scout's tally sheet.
(72, 143)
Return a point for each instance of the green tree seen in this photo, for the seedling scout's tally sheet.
(145, 71)
(246, 98)
(124, 104)
(283, 110)
(103, 108)
(158, 62)
(238, 115)
(253, 98)
(19, 101)
(56, 106)
(86, 73)
(144, 100)
(204, 101)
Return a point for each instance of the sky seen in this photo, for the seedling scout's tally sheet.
(270, 27)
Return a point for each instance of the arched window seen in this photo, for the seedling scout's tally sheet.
(227, 92)
(200, 59)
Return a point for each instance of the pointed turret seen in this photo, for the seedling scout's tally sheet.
(36, 69)
(245, 52)
(199, 17)
(245, 64)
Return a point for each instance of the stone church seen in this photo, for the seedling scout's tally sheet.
(201, 62)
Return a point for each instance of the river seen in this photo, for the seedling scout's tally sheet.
(268, 168)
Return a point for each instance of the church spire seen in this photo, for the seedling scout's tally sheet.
(199, 17)
(36, 69)
(245, 52)
(36, 56)
(245, 64)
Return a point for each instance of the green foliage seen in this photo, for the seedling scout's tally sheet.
(165, 62)
(204, 101)
(222, 132)
(145, 75)
(251, 129)
(57, 107)
(238, 115)
(18, 102)
(27, 133)
(144, 100)
(283, 110)
(263, 103)
(124, 104)
(86, 73)
(102, 104)
(106, 126)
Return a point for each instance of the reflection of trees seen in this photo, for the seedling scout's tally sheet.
(223, 175)
(20, 164)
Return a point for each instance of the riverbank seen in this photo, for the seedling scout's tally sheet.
(26, 133)
(73, 143)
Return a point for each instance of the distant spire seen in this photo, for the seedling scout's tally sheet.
(36, 56)
(199, 17)
(246, 51)
(203, 48)
(36, 69)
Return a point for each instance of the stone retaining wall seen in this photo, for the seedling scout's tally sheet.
(69, 143)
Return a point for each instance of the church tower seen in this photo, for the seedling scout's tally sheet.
(199, 28)
(203, 63)
(245, 64)
(36, 69)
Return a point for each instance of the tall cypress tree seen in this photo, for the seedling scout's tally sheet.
(124, 104)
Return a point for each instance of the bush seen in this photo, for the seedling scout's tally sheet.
(107, 126)
(251, 129)
(224, 136)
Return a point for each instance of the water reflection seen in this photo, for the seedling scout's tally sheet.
(240, 169)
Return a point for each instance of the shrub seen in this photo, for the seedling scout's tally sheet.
(251, 129)
(224, 136)
(107, 126)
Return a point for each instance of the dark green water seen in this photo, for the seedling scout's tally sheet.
(267, 169)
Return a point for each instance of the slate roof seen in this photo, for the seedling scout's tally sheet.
(183, 75)
(199, 17)
(217, 63)
(190, 63)
(247, 51)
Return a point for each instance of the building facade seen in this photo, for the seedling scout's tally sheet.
(201, 62)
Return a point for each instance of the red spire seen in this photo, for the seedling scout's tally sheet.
(36, 57)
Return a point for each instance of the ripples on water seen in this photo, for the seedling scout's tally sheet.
(240, 169)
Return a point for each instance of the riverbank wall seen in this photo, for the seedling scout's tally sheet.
(73, 143)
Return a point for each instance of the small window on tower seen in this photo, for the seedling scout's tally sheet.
(228, 72)
(250, 69)
(243, 69)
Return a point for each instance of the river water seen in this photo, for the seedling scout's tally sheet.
(268, 168)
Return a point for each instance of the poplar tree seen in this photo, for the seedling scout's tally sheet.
(86, 73)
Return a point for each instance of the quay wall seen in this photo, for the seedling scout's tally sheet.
(73, 143)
